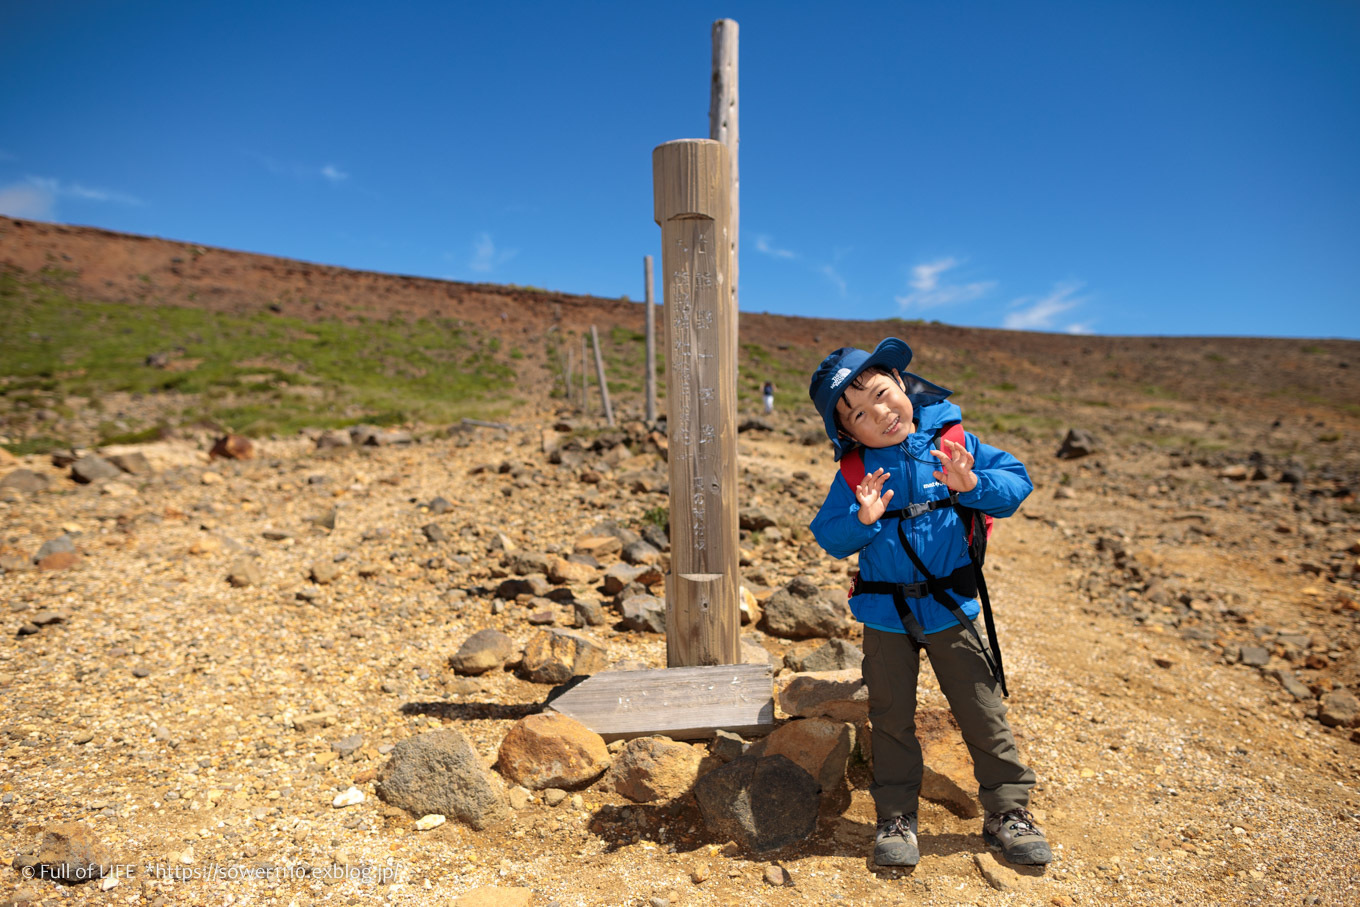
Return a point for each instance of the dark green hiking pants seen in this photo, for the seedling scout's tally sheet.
(891, 663)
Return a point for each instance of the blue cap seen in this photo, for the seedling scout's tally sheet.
(839, 371)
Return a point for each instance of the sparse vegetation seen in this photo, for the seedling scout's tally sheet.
(253, 373)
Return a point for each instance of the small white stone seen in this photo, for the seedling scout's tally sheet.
(108, 882)
(351, 797)
(433, 820)
(187, 856)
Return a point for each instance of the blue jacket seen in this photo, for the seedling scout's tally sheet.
(937, 537)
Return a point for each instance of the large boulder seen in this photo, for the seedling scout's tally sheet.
(439, 772)
(1078, 443)
(801, 610)
(819, 746)
(801, 694)
(948, 778)
(761, 803)
(551, 750)
(655, 768)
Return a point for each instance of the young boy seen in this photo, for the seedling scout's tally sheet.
(870, 402)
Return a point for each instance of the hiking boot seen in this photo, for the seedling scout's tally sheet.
(895, 843)
(1017, 837)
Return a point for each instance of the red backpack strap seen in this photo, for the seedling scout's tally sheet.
(954, 432)
(852, 467)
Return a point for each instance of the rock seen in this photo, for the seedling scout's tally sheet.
(485, 650)
(1078, 443)
(655, 768)
(520, 797)
(91, 468)
(761, 803)
(748, 606)
(553, 796)
(753, 653)
(432, 821)
(1339, 708)
(818, 746)
(800, 611)
(589, 613)
(598, 545)
(244, 573)
(523, 563)
(351, 797)
(313, 721)
(803, 693)
(755, 519)
(495, 896)
(620, 576)
(556, 656)
(323, 573)
(563, 572)
(645, 613)
(440, 772)
(1255, 656)
(61, 560)
(333, 438)
(71, 852)
(726, 746)
(434, 533)
(232, 447)
(948, 778)
(61, 544)
(640, 553)
(996, 874)
(778, 876)
(833, 655)
(347, 746)
(536, 585)
(439, 505)
(552, 750)
(26, 480)
(1292, 685)
(134, 463)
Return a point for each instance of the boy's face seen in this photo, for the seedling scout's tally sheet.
(877, 414)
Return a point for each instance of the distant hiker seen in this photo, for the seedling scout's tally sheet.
(768, 393)
(900, 442)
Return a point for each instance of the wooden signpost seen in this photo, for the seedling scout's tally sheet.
(690, 182)
(703, 687)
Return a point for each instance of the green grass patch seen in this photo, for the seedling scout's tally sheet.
(255, 373)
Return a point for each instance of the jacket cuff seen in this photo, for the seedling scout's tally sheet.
(971, 498)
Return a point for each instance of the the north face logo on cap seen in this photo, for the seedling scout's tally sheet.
(839, 377)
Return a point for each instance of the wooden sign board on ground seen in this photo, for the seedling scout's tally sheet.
(681, 703)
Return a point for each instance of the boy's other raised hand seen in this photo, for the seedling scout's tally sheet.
(956, 466)
(873, 500)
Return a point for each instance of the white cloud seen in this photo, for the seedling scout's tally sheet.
(928, 290)
(765, 245)
(334, 173)
(26, 200)
(1082, 328)
(36, 197)
(832, 275)
(1039, 314)
(76, 190)
(486, 257)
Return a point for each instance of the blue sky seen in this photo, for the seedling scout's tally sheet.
(1152, 167)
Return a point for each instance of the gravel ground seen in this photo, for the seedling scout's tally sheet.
(191, 723)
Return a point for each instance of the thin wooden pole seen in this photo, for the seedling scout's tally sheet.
(599, 376)
(585, 390)
(690, 182)
(650, 379)
(723, 107)
(566, 372)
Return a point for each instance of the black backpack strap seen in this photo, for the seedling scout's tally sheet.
(939, 591)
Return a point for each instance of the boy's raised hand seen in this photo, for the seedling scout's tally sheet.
(956, 466)
(873, 500)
